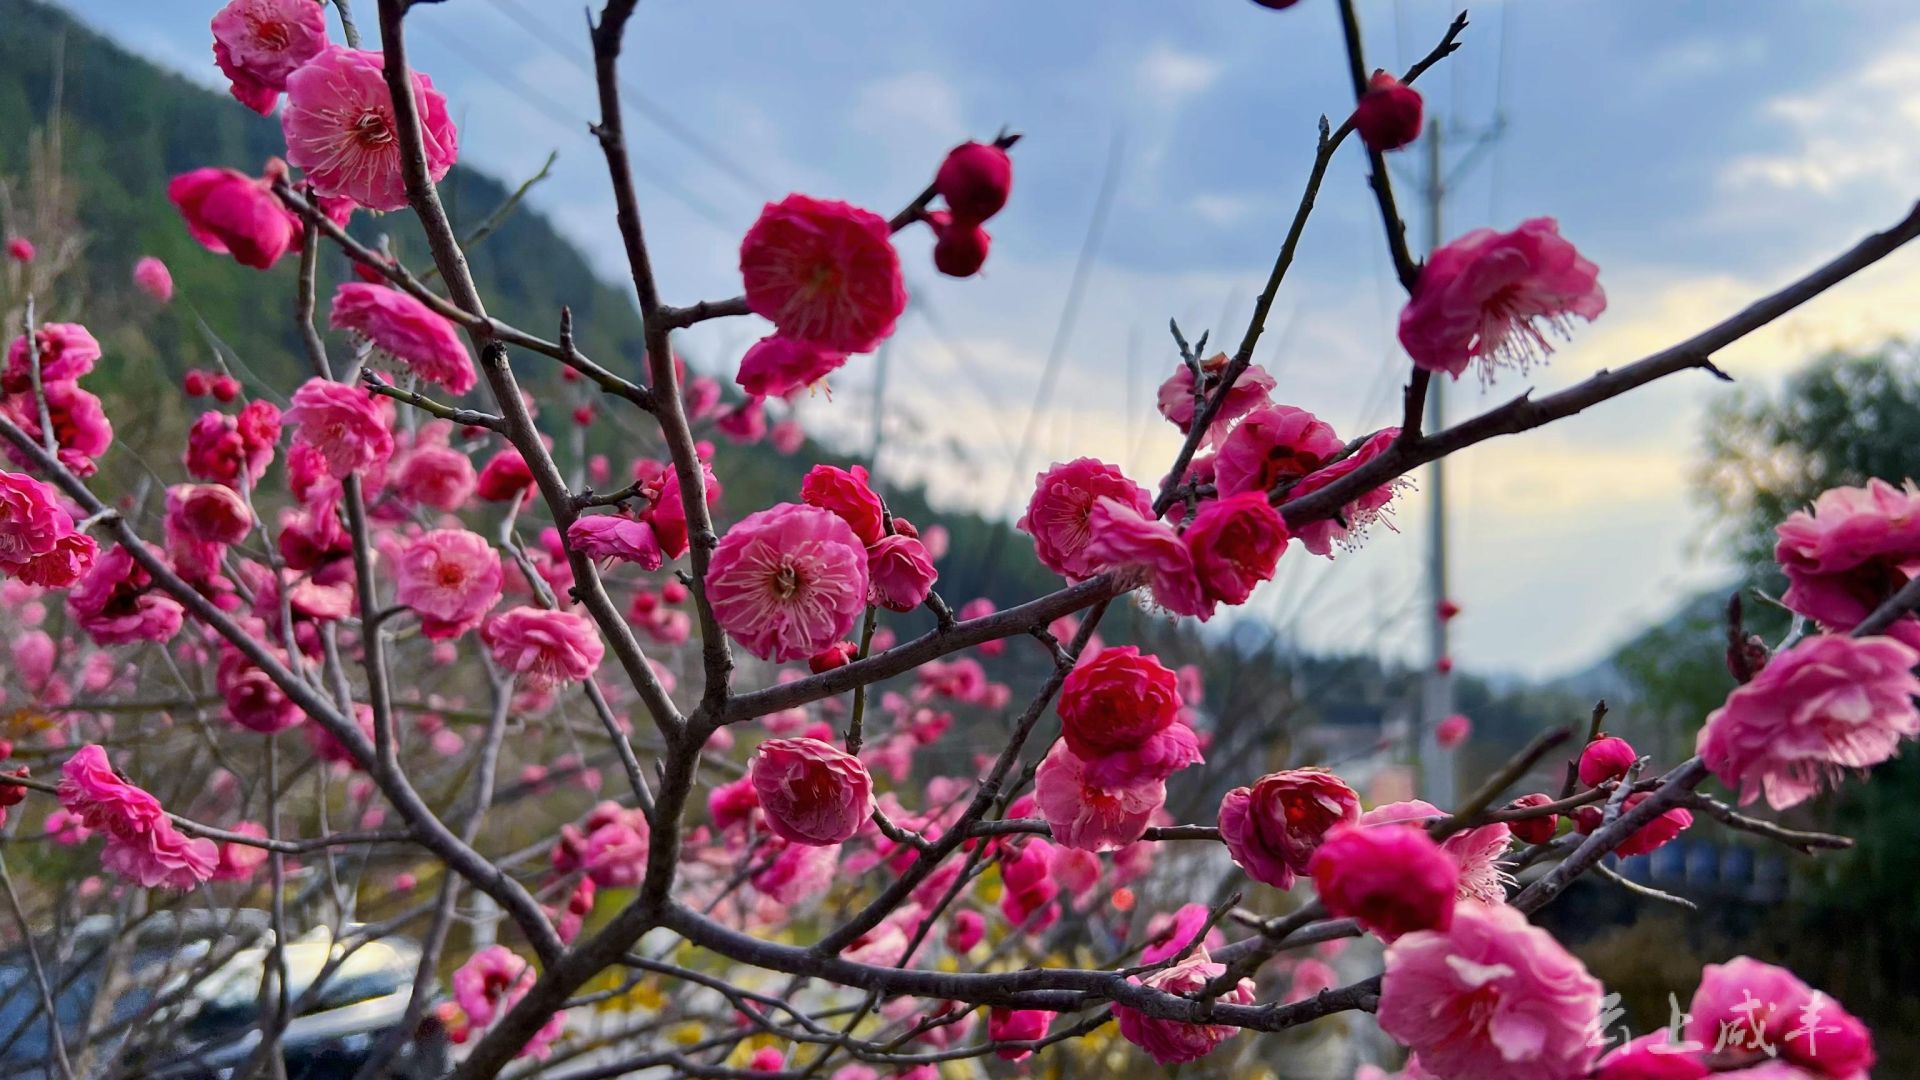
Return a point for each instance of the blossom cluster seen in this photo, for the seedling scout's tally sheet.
(343, 529)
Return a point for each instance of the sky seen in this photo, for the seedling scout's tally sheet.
(1701, 154)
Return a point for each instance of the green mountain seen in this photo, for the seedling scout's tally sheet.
(127, 126)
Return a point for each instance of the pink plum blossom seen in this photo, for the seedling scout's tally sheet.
(1057, 516)
(1236, 543)
(258, 43)
(238, 861)
(253, 700)
(543, 648)
(967, 931)
(1827, 705)
(975, 179)
(404, 328)
(1147, 549)
(1356, 517)
(1272, 828)
(610, 844)
(848, 494)
(38, 541)
(1173, 1042)
(1654, 1057)
(143, 845)
(900, 573)
(451, 578)
(344, 423)
(222, 447)
(811, 792)
(1606, 758)
(1491, 997)
(797, 873)
(616, 536)
(491, 983)
(1388, 114)
(81, 430)
(1850, 551)
(1485, 295)
(1476, 851)
(1393, 878)
(1170, 935)
(231, 213)
(823, 272)
(1089, 816)
(788, 581)
(1017, 1025)
(116, 603)
(66, 352)
(1743, 1007)
(1273, 444)
(1250, 391)
(435, 475)
(340, 128)
(1120, 715)
(152, 277)
(776, 366)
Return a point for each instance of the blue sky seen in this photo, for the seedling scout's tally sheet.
(1700, 153)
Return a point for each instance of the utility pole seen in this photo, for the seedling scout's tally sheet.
(1434, 765)
(879, 413)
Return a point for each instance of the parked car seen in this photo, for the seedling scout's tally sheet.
(185, 1001)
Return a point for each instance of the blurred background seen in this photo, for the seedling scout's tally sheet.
(1701, 154)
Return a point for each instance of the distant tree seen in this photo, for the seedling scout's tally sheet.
(1840, 421)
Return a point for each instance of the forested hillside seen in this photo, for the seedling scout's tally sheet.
(127, 126)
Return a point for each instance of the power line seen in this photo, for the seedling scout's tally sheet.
(659, 115)
(562, 114)
(964, 361)
(1062, 334)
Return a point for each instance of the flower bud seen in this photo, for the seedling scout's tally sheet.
(1389, 113)
(195, 383)
(975, 181)
(504, 476)
(961, 248)
(1745, 660)
(838, 654)
(967, 930)
(1606, 758)
(224, 388)
(1537, 830)
(1393, 878)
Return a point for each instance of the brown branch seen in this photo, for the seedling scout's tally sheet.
(1806, 843)
(464, 417)
(479, 322)
(1524, 413)
(1675, 790)
(431, 832)
(1034, 614)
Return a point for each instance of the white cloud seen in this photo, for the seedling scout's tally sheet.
(1172, 75)
(918, 102)
(1219, 209)
(1861, 128)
